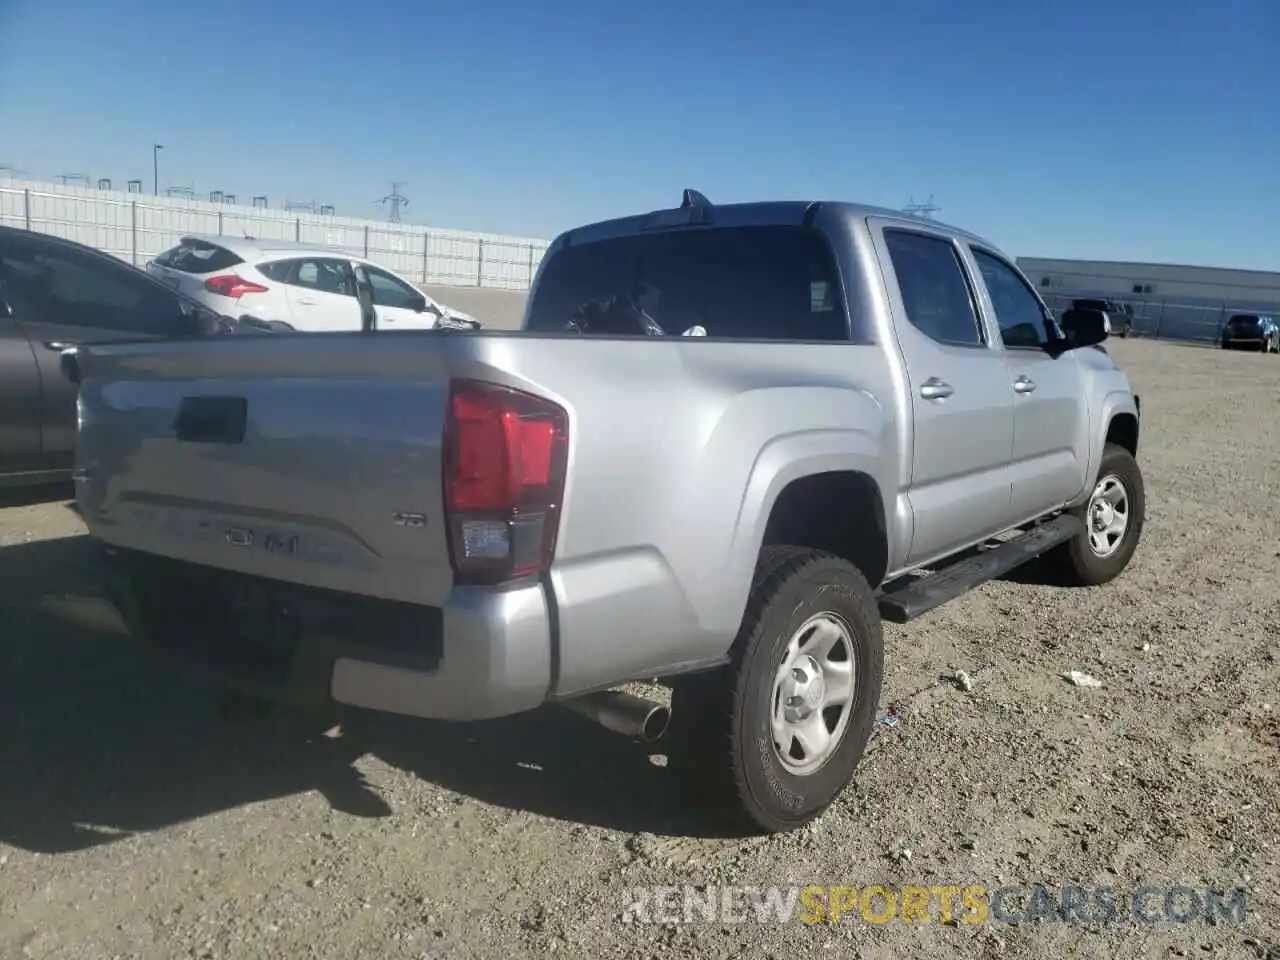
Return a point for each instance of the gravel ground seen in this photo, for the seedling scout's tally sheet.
(136, 821)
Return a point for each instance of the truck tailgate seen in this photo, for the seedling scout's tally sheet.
(313, 460)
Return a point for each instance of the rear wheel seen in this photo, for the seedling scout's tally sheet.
(769, 741)
(1113, 519)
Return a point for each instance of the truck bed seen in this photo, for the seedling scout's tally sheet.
(336, 482)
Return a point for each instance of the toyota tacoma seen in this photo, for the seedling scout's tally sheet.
(726, 445)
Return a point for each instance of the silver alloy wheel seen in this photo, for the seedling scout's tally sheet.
(1107, 516)
(813, 694)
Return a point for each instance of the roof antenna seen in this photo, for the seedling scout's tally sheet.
(692, 198)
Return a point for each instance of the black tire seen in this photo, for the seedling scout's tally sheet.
(720, 721)
(1075, 562)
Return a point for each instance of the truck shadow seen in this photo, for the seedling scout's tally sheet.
(103, 740)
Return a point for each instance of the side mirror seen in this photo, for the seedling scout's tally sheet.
(417, 303)
(1084, 328)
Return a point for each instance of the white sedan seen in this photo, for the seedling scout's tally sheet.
(306, 288)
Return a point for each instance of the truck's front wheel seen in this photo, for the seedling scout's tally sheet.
(773, 738)
(1113, 519)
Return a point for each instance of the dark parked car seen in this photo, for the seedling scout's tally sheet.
(1119, 315)
(1251, 331)
(55, 294)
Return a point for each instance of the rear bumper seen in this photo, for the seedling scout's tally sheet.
(484, 653)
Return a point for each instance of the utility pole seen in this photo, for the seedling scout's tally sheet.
(155, 168)
(395, 200)
(924, 211)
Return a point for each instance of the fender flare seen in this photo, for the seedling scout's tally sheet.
(1114, 404)
(780, 462)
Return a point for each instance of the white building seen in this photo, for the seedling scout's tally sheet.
(1169, 300)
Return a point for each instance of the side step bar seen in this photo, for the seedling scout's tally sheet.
(927, 593)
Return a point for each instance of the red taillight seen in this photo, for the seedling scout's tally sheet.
(229, 285)
(504, 468)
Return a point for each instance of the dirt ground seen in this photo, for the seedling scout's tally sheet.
(136, 821)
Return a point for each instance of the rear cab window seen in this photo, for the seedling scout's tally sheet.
(776, 282)
(198, 256)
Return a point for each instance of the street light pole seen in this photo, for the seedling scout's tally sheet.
(155, 168)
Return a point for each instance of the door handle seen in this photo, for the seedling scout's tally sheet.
(60, 345)
(935, 389)
(307, 303)
(1024, 385)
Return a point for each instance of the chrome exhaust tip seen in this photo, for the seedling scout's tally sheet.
(623, 713)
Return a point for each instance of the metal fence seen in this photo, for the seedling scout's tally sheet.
(1186, 318)
(135, 228)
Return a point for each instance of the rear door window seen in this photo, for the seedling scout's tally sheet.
(935, 291)
(55, 283)
(198, 256)
(742, 283)
(323, 274)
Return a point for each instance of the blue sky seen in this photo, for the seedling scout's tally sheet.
(1131, 129)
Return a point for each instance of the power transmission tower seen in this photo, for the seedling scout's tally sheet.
(924, 211)
(395, 200)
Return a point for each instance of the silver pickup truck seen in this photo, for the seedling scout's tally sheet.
(727, 443)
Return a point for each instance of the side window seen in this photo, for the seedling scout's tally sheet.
(281, 271)
(935, 290)
(388, 291)
(59, 284)
(312, 273)
(1018, 310)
